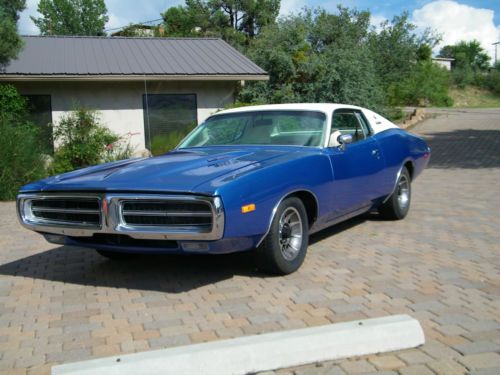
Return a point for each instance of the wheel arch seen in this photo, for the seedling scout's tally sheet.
(310, 203)
(410, 166)
(309, 200)
(408, 163)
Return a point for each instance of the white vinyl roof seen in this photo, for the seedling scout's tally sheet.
(323, 107)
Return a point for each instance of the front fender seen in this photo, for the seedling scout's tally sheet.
(266, 186)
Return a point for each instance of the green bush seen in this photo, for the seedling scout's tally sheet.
(426, 85)
(492, 81)
(462, 76)
(12, 105)
(82, 141)
(21, 158)
(119, 150)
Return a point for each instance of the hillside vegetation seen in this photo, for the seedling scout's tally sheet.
(474, 97)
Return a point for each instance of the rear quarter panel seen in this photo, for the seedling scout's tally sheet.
(398, 147)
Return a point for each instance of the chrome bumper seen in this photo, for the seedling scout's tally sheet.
(112, 221)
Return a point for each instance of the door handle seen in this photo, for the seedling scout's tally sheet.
(376, 153)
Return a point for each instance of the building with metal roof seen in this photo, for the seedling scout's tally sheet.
(144, 88)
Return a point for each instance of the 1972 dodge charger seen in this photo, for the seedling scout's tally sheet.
(260, 178)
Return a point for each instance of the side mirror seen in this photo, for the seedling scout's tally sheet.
(334, 139)
(344, 140)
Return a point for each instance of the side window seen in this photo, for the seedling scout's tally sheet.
(348, 121)
(364, 123)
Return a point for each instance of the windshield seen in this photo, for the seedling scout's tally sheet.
(299, 128)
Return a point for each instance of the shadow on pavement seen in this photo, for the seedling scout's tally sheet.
(163, 273)
(470, 149)
(340, 227)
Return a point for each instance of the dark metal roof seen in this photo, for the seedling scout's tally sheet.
(96, 56)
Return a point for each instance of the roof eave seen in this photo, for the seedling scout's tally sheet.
(134, 77)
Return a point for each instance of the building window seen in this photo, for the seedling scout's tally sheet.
(167, 119)
(40, 113)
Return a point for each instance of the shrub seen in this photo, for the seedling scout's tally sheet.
(12, 105)
(426, 85)
(492, 81)
(82, 141)
(21, 158)
(462, 76)
(119, 150)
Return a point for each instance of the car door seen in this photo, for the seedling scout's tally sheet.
(357, 167)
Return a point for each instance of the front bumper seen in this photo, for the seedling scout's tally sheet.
(222, 246)
(111, 216)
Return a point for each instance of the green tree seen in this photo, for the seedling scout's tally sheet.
(396, 48)
(10, 42)
(424, 53)
(71, 17)
(236, 21)
(317, 57)
(467, 55)
(404, 70)
(192, 19)
(470, 64)
(247, 16)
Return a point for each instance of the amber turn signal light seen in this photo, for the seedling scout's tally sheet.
(248, 208)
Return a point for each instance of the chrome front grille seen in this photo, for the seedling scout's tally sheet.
(73, 211)
(140, 216)
(168, 213)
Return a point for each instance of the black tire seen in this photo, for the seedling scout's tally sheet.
(398, 204)
(115, 255)
(277, 254)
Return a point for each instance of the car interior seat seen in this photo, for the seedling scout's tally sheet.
(259, 132)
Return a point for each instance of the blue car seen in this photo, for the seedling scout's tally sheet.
(259, 178)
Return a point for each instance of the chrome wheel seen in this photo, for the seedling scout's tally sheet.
(285, 246)
(403, 192)
(290, 233)
(397, 205)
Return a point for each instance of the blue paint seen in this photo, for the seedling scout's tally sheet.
(342, 182)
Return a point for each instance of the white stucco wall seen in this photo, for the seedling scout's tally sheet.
(444, 63)
(120, 103)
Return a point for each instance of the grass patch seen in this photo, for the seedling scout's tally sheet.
(474, 97)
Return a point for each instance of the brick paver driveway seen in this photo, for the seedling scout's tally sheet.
(440, 265)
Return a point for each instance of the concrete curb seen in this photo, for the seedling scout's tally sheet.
(270, 351)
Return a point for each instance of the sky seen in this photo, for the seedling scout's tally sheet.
(454, 20)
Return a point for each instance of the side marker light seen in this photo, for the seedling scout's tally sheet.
(248, 208)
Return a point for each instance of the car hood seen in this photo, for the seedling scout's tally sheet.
(176, 171)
